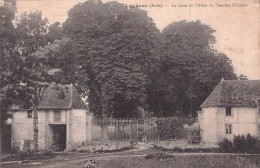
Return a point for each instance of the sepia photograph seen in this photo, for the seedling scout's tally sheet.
(129, 84)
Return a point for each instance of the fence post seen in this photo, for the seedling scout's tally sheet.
(130, 125)
(137, 130)
(116, 126)
(123, 128)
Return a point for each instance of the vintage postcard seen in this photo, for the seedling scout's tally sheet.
(130, 83)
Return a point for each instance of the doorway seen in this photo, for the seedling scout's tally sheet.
(6, 138)
(58, 137)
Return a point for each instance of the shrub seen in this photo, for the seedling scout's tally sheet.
(158, 156)
(35, 154)
(186, 150)
(240, 144)
(226, 146)
(172, 127)
(252, 144)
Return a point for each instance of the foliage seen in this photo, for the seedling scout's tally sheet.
(7, 43)
(100, 147)
(169, 127)
(242, 77)
(35, 154)
(22, 65)
(158, 156)
(226, 146)
(7, 12)
(187, 150)
(241, 144)
(28, 69)
(114, 51)
(30, 31)
(191, 68)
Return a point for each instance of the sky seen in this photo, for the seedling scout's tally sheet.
(237, 23)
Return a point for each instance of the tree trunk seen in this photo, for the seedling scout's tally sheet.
(104, 104)
(181, 103)
(2, 123)
(35, 128)
(104, 123)
(1, 130)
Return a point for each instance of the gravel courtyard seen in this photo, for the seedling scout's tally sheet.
(138, 158)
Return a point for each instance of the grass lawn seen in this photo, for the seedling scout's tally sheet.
(155, 160)
(200, 161)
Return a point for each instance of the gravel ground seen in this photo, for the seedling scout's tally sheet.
(136, 158)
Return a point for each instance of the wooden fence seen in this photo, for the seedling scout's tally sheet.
(118, 128)
(126, 129)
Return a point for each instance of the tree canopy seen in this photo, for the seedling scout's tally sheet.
(190, 69)
(27, 68)
(119, 58)
(115, 55)
(114, 50)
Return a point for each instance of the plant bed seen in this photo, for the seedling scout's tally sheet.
(116, 150)
(183, 146)
(187, 150)
(29, 155)
(240, 144)
(103, 147)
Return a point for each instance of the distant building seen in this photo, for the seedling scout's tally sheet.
(63, 121)
(230, 109)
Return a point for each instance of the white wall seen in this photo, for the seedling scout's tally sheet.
(78, 128)
(78, 123)
(244, 120)
(22, 128)
(212, 120)
(208, 125)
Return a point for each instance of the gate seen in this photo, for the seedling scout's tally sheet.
(147, 130)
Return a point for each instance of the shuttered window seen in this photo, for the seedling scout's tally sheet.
(57, 116)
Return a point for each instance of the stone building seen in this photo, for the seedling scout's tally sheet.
(63, 121)
(230, 109)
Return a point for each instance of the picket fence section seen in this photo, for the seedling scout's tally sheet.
(130, 129)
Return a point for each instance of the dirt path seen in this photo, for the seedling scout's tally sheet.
(67, 160)
(77, 159)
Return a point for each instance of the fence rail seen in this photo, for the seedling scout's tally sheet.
(124, 129)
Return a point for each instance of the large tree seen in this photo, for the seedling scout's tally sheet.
(191, 68)
(114, 51)
(7, 13)
(28, 68)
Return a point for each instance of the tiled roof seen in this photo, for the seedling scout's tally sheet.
(234, 93)
(62, 98)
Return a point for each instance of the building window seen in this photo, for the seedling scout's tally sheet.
(29, 113)
(228, 111)
(57, 116)
(228, 129)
